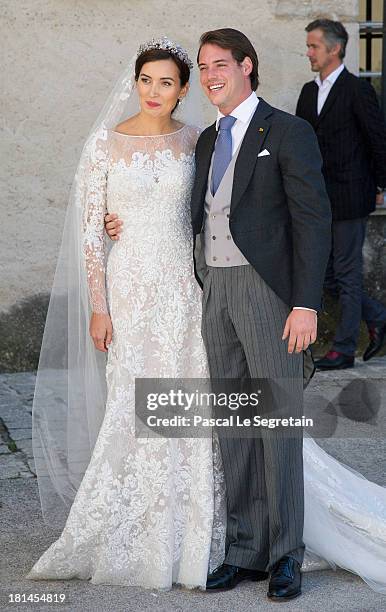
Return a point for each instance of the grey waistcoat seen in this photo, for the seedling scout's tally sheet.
(220, 250)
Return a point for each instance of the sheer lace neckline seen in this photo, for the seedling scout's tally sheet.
(150, 135)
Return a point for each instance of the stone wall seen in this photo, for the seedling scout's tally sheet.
(60, 58)
(347, 10)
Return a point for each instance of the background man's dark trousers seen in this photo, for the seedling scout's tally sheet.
(344, 281)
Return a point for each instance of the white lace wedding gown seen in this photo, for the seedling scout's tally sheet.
(150, 512)
(143, 514)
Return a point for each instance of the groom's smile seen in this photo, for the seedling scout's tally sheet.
(216, 87)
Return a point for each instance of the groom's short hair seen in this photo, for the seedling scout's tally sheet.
(239, 45)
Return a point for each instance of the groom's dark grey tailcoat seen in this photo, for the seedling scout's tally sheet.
(280, 221)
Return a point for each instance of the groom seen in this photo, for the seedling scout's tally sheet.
(261, 222)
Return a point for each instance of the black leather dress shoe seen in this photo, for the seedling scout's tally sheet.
(285, 581)
(377, 340)
(334, 360)
(228, 576)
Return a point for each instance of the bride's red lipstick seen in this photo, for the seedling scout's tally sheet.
(152, 104)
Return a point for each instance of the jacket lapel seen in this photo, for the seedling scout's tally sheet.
(203, 161)
(250, 148)
(314, 103)
(332, 96)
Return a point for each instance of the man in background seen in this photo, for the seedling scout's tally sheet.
(351, 132)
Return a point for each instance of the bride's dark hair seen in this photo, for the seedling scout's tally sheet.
(153, 55)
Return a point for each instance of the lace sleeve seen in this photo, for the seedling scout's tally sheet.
(94, 210)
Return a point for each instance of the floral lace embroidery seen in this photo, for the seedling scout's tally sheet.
(144, 514)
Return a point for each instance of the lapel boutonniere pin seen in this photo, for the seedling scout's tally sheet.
(261, 129)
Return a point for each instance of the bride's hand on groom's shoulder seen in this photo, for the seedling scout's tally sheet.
(113, 226)
(101, 331)
(300, 329)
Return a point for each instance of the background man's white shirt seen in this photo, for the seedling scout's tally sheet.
(325, 86)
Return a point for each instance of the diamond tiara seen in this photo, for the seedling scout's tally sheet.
(167, 45)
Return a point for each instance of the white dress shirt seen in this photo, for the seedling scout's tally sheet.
(244, 113)
(325, 86)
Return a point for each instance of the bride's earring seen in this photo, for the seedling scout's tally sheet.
(181, 101)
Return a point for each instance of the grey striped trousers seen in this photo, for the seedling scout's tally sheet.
(242, 326)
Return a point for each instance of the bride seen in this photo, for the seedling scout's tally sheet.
(140, 511)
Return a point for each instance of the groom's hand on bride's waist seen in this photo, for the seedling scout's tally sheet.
(300, 329)
(113, 226)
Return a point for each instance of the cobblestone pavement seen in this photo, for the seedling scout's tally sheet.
(16, 395)
(359, 394)
(353, 403)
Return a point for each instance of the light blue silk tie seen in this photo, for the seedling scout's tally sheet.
(222, 151)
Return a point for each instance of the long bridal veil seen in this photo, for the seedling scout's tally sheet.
(344, 518)
(70, 393)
